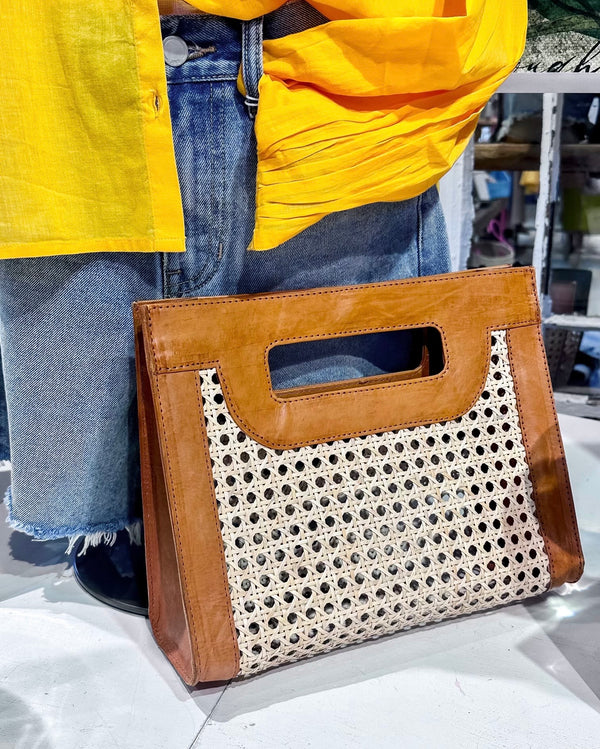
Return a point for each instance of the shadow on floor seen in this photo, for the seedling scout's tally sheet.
(20, 726)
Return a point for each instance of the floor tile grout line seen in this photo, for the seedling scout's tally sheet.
(209, 716)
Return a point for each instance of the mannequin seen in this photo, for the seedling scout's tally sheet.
(371, 243)
(178, 182)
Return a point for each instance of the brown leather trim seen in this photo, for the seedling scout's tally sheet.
(191, 615)
(166, 611)
(235, 334)
(196, 526)
(545, 454)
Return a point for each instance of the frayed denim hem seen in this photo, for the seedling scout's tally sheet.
(91, 535)
(107, 537)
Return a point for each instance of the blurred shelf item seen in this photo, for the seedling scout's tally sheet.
(526, 157)
(486, 213)
(583, 402)
(573, 322)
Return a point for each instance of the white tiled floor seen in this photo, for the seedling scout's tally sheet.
(77, 675)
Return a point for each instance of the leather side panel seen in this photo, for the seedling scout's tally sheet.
(196, 527)
(545, 454)
(166, 611)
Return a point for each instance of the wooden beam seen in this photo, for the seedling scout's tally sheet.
(526, 157)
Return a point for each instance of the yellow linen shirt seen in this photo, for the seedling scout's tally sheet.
(375, 105)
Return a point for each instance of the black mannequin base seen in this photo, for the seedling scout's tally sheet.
(115, 574)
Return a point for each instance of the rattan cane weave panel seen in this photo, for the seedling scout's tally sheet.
(335, 543)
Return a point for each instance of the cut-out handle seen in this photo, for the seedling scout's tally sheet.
(235, 334)
(315, 366)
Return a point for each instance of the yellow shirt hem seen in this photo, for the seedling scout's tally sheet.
(76, 246)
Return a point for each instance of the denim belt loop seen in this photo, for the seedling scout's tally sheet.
(252, 61)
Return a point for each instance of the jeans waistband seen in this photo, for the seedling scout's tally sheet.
(223, 43)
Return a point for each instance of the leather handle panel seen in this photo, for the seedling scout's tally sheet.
(235, 334)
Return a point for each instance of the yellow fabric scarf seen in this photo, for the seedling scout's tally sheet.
(374, 106)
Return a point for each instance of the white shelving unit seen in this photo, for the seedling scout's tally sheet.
(456, 196)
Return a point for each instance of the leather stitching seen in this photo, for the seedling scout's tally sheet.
(534, 483)
(458, 277)
(243, 424)
(567, 497)
(156, 306)
(188, 609)
(360, 388)
(337, 436)
(168, 304)
(165, 642)
(566, 485)
(217, 527)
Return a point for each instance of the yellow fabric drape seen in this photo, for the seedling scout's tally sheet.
(375, 105)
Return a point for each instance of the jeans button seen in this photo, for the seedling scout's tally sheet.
(177, 51)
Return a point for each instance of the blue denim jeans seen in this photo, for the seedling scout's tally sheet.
(66, 333)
